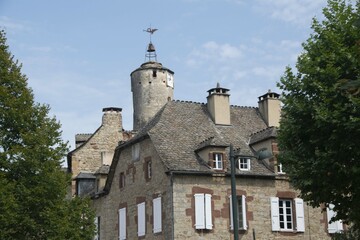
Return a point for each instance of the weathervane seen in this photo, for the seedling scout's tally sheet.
(151, 53)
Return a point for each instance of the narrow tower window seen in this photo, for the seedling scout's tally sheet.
(154, 73)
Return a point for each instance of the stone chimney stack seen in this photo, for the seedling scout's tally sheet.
(270, 108)
(112, 117)
(219, 105)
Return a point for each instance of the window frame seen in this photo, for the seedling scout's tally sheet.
(122, 180)
(241, 212)
(242, 164)
(148, 169)
(285, 217)
(217, 163)
(296, 214)
(135, 152)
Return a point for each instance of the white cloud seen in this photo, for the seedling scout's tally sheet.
(214, 52)
(11, 25)
(299, 12)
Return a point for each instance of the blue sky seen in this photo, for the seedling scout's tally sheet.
(78, 54)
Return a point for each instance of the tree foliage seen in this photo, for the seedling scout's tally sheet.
(33, 186)
(320, 127)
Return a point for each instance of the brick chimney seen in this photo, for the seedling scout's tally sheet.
(270, 108)
(219, 105)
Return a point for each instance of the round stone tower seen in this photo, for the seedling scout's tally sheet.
(152, 85)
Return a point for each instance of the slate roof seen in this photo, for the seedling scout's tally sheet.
(180, 127)
(270, 132)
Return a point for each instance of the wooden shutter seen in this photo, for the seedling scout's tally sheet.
(275, 223)
(243, 203)
(157, 214)
(299, 211)
(336, 226)
(122, 223)
(231, 214)
(199, 211)
(97, 228)
(141, 219)
(208, 211)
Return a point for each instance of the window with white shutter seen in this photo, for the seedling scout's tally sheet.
(203, 212)
(122, 223)
(157, 215)
(241, 208)
(282, 215)
(141, 219)
(335, 226)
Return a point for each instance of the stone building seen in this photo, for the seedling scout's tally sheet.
(171, 180)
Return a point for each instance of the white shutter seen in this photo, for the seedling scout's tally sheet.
(336, 226)
(199, 211)
(243, 203)
(141, 219)
(122, 223)
(231, 214)
(275, 223)
(97, 228)
(299, 211)
(157, 214)
(208, 215)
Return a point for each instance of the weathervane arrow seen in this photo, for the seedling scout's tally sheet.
(151, 30)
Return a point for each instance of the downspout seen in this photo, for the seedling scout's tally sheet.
(172, 205)
(233, 195)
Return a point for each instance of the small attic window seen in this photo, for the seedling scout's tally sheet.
(136, 152)
(244, 164)
(217, 160)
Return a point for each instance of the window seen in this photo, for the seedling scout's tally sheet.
(244, 164)
(280, 169)
(203, 217)
(141, 219)
(282, 214)
(97, 225)
(157, 215)
(122, 180)
(148, 169)
(135, 152)
(122, 223)
(217, 161)
(241, 212)
(336, 226)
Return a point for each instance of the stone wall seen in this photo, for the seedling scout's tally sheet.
(89, 156)
(137, 189)
(257, 191)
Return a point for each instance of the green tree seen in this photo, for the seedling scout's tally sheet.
(33, 186)
(320, 127)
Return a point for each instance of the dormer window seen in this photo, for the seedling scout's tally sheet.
(244, 164)
(217, 159)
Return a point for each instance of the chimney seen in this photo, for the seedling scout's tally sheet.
(219, 105)
(270, 109)
(112, 117)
